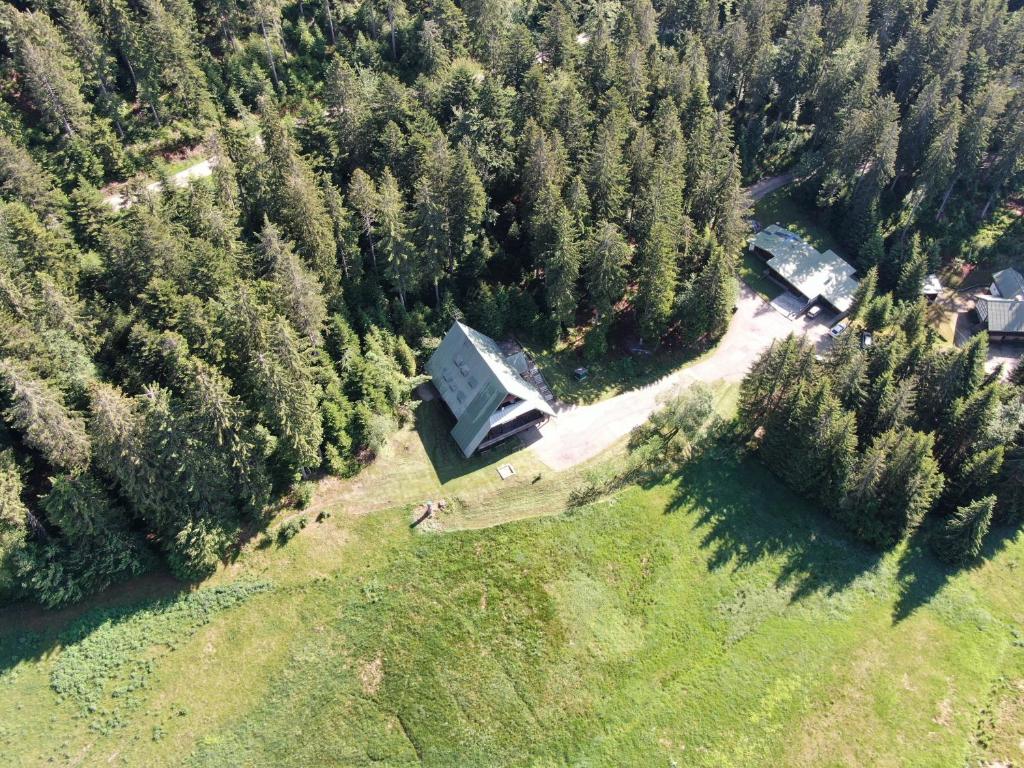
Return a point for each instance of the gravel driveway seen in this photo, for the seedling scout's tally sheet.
(581, 432)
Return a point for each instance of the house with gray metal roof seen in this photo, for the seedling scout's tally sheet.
(1002, 312)
(489, 398)
(802, 268)
(1008, 284)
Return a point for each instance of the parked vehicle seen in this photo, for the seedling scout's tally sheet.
(837, 330)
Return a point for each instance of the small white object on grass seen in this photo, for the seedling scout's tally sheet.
(505, 471)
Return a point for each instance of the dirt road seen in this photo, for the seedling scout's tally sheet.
(769, 185)
(581, 432)
(181, 179)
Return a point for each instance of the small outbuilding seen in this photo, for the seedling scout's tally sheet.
(807, 272)
(490, 399)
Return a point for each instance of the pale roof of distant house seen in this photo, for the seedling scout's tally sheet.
(474, 377)
(812, 273)
(1001, 315)
(1010, 283)
(932, 286)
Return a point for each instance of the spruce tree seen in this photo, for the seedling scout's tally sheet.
(894, 485)
(403, 267)
(303, 300)
(963, 533)
(606, 269)
(657, 276)
(13, 524)
(47, 425)
(562, 268)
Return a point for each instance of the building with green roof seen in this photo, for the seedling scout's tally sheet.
(802, 268)
(489, 398)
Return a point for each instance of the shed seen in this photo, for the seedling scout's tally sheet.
(483, 390)
(803, 268)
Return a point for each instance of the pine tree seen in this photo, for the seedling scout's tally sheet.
(562, 267)
(403, 267)
(47, 425)
(303, 300)
(963, 533)
(13, 528)
(606, 269)
(893, 486)
(656, 281)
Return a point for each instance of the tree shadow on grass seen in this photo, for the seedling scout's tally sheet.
(921, 576)
(746, 515)
(29, 632)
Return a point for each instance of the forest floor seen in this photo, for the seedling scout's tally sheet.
(709, 618)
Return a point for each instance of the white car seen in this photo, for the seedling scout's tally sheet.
(814, 311)
(837, 330)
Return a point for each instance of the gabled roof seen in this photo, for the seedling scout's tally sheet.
(1010, 284)
(474, 378)
(812, 273)
(1001, 315)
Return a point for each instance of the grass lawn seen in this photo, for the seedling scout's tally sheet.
(752, 273)
(617, 372)
(779, 208)
(710, 619)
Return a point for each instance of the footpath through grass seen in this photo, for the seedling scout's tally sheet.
(708, 620)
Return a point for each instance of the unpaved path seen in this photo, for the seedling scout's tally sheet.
(769, 185)
(581, 432)
(200, 170)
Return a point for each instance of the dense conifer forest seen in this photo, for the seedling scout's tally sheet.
(171, 369)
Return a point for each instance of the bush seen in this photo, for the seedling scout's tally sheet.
(304, 494)
(595, 345)
(288, 531)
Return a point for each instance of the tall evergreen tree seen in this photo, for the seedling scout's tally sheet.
(963, 532)
(606, 269)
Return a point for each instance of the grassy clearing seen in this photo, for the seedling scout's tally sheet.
(752, 271)
(943, 320)
(711, 619)
(615, 373)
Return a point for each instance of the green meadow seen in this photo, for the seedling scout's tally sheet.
(708, 619)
